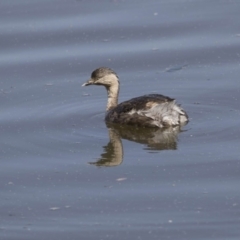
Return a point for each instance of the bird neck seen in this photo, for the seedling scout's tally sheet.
(112, 91)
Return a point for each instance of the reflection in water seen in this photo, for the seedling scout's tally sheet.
(113, 152)
(153, 138)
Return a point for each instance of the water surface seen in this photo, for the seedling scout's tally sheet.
(149, 185)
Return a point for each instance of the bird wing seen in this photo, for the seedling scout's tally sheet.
(143, 103)
(144, 110)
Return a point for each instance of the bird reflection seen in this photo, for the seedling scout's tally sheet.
(152, 138)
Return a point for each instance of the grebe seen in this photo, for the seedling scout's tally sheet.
(152, 110)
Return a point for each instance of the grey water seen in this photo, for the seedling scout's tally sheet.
(65, 174)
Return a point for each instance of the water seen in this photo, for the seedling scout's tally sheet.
(148, 185)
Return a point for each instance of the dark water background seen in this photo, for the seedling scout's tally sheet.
(51, 128)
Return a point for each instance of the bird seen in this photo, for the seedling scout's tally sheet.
(151, 110)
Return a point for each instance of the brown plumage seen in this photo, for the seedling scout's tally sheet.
(153, 110)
